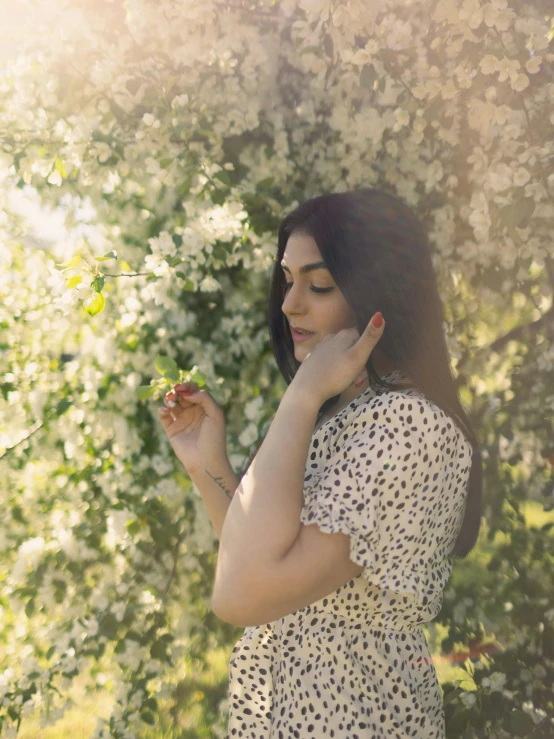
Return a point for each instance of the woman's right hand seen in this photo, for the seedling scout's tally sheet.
(195, 427)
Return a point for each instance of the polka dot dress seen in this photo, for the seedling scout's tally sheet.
(391, 471)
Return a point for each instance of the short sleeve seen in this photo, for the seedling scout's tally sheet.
(384, 485)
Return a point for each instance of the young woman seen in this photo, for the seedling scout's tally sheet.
(390, 486)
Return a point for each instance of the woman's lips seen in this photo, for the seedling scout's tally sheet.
(300, 337)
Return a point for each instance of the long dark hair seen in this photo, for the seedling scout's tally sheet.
(379, 256)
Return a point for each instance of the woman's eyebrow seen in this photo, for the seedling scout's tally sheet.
(308, 267)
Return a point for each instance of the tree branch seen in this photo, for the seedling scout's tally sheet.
(10, 448)
(520, 333)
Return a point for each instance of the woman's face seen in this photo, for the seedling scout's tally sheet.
(322, 313)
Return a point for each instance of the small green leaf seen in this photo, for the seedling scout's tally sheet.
(520, 723)
(62, 406)
(517, 214)
(220, 253)
(108, 626)
(73, 262)
(311, 50)
(60, 168)
(145, 391)
(110, 255)
(98, 283)
(148, 717)
(167, 367)
(223, 176)
(151, 703)
(96, 306)
(74, 281)
(368, 76)
(189, 284)
(198, 377)
(30, 608)
(133, 527)
(266, 183)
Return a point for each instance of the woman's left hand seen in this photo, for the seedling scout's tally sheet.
(337, 362)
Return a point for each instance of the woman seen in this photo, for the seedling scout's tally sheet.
(390, 478)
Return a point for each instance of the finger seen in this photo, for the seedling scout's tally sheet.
(376, 325)
(170, 401)
(165, 416)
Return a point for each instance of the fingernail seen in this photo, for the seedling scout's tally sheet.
(171, 403)
(185, 392)
(377, 320)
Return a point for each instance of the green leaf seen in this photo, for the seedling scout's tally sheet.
(165, 162)
(62, 406)
(151, 703)
(266, 183)
(108, 626)
(98, 283)
(74, 281)
(17, 514)
(223, 176)
(148, 717)
(517, 214)
(30, 608)
(133, 527)
(520, 723)
(368, 76)
(96, 306)
(220, 253)
(167, 367)
(189, 284)
(145, 391)
(311, 50)
(198, 377)
(110, 255)
(59, 165)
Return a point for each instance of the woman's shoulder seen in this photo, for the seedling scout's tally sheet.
(404, 410)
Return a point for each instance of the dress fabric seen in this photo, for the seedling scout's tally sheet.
(391, 471)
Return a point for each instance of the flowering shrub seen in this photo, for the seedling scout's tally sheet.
(169, 138)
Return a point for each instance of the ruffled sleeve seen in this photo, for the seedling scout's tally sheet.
(385, 484)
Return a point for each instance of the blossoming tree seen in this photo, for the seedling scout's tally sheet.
(173, 136)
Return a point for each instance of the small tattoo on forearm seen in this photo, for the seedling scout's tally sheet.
(219, 482)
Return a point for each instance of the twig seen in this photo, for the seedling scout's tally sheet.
(9, 449)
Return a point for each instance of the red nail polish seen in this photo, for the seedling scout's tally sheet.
(377, 319)
(185, 392)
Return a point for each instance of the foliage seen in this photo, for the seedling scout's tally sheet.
(173, 136)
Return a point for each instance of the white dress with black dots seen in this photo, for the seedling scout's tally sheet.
(391, 471)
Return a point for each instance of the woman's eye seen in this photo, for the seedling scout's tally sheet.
(312, 288)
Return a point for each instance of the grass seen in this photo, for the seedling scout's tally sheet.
(79, 722)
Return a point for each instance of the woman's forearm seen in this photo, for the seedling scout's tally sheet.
(217, 484)
(264, 518)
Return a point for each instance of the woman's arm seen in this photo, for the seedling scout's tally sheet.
(263, 520)
(217, 483)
